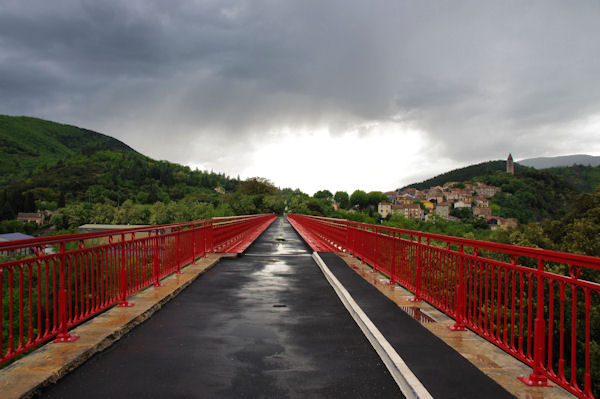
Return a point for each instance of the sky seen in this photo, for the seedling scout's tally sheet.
(337, 95)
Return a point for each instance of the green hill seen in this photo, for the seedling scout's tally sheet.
(584, 178)
(528, 195)
(464, 174)
(28, 143)
(46, 165)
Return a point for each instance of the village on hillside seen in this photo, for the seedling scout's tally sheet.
(441, 200)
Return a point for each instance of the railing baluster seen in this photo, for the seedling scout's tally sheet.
(475, 291)
(63, 334)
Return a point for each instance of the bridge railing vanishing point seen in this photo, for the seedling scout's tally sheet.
(540, 306)
(65, 280)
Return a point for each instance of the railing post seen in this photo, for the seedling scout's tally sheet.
(157, 239)
(459, 295)
(63, 316)
(393, 260)
(210, 236)
(205, 240)
(178, 245)
(194, 238)
(537, 377)
(348, 249)
(417, 297)
(375, 268)
(123, 281)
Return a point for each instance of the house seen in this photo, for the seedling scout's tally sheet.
(487, 191)
(15, 237)
(391, 196)
(465, 196)
(86, 228)
(429, 205)
(406, 199)
(39, 217)
(26, 217)
(384, 209)
(452, 195)
(496, 222)
(435, 195)
(409, 191)
(493, 223)
(482, 202)
(443, 209)
(482, 211)
(412, 211)
(462, 204)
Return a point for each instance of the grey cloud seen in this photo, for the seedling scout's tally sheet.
(478, 78)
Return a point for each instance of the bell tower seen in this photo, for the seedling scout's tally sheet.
(510, 166)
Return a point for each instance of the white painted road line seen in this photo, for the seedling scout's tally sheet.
(408, 383)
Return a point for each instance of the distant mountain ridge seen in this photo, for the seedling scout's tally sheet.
(566, 160)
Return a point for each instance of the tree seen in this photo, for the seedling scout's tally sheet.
(257, 186)
(376, 197)
(323, 194)
(28, 202)
(7, 212)
(342, 199)
(315, 207)
(359, 199)
(61, 200)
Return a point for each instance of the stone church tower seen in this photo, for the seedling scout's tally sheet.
(510, 166)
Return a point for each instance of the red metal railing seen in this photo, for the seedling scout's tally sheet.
(45, 294)
(540, 306)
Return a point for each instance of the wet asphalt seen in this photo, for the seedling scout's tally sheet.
(263, 325)
(444, 372)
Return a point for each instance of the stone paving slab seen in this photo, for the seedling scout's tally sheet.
(49, 363)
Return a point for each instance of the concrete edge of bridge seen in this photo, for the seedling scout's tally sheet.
(47, 364)
(408, 383)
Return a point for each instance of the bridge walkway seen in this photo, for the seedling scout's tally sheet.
(266, 324)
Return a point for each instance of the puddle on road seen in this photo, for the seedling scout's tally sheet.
(417, 314)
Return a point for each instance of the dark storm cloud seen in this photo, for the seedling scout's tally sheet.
(478, 78)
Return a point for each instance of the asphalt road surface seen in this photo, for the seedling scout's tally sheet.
(263, 325)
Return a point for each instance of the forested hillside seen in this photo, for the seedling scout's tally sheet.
(28, 144)
(466, 173)
(583, 178)
(46, 165)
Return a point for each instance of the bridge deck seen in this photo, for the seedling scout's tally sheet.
(263, 325)
(268, 324)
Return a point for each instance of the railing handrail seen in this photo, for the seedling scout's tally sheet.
(510, 249)
(44, 295)
(65, 238)
(540, 314)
